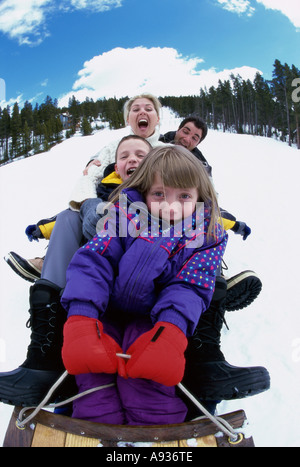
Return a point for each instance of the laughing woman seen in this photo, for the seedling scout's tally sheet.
(142, 114)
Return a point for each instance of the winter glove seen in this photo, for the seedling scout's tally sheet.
(87, 349)
(242, 229)
(158, 355)
(33, 232)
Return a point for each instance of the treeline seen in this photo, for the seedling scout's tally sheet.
(265, 108)
(22, 131)
(268, 108)
(31, 130)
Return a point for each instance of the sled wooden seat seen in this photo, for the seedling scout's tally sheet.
(47, 429)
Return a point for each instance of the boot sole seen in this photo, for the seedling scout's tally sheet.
(21, 270)
(242, 290)
(252, 381)
(21, 391)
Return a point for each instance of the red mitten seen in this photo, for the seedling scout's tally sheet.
(158, 355)
(87, 349)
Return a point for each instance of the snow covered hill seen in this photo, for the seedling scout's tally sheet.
(257, 180)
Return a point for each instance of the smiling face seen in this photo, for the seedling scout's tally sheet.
(189, 136)
(143, 117)
(129, 156)
(170, 204)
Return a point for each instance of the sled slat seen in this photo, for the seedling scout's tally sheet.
(165, 444)
(47, 437)
(74, 441)
(204, 442)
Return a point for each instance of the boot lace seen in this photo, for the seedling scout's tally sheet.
(42, 324)
(209, 332)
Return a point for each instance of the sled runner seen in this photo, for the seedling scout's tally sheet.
(37, 427)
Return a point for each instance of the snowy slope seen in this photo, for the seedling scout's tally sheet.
(257, 180)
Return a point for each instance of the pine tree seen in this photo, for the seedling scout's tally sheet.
(213, 102)
(264, 107)
(279, 83)
(45, 137)
(15, 146)
(58, 128)
(75, 112)
(36, 145)
(27, 115)
(26, 139)
(86, 128)
(5, 132)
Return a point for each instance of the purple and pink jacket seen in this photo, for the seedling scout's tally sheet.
(165, 277)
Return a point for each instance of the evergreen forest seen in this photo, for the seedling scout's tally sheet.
(269, 108)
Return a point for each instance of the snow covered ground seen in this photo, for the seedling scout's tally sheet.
(258, 181)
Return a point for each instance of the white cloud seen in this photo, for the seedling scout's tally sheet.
(289, 8)
(96, 5)
(25, 20)
(161, 71)
(22, 19)
(11, 102)
(237, 6)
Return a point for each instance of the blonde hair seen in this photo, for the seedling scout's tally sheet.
(178, 168)
(150, 97)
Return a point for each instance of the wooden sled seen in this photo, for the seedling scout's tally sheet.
(47, 429)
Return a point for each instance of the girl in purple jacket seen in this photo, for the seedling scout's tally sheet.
(138, 289)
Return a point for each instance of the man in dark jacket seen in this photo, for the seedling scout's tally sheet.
(191, 132)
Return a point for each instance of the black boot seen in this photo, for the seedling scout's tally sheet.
(28, 384)
(207, 375)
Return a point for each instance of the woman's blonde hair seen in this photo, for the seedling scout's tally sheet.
(178, 168)
(150, 97)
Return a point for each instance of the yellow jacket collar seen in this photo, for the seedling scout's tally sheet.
(112, 178)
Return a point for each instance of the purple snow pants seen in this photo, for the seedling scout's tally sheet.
(131, 401)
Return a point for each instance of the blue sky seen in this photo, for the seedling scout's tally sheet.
(105, 48)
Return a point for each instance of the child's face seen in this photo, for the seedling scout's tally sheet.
(129, 156)
(171, 204)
